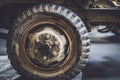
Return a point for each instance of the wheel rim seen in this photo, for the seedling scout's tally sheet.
(47, 46)
(79, 47)
(53, 64)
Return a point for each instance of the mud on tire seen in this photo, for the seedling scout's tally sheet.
(74, 30)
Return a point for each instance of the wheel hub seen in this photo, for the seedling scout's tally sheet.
(47, 46)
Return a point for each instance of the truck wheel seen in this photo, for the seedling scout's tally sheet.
(48, 41)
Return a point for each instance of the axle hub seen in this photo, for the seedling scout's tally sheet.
(47, 46)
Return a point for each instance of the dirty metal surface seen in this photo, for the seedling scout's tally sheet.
(48, 46)
(104, 15)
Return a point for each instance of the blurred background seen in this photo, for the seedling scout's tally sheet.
(103, 63)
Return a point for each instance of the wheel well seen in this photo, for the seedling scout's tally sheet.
(9, 12)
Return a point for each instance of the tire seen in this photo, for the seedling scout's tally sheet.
(33, 57)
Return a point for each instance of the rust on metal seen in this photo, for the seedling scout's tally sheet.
(47, 46)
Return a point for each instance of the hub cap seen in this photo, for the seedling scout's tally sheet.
(47, 46)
